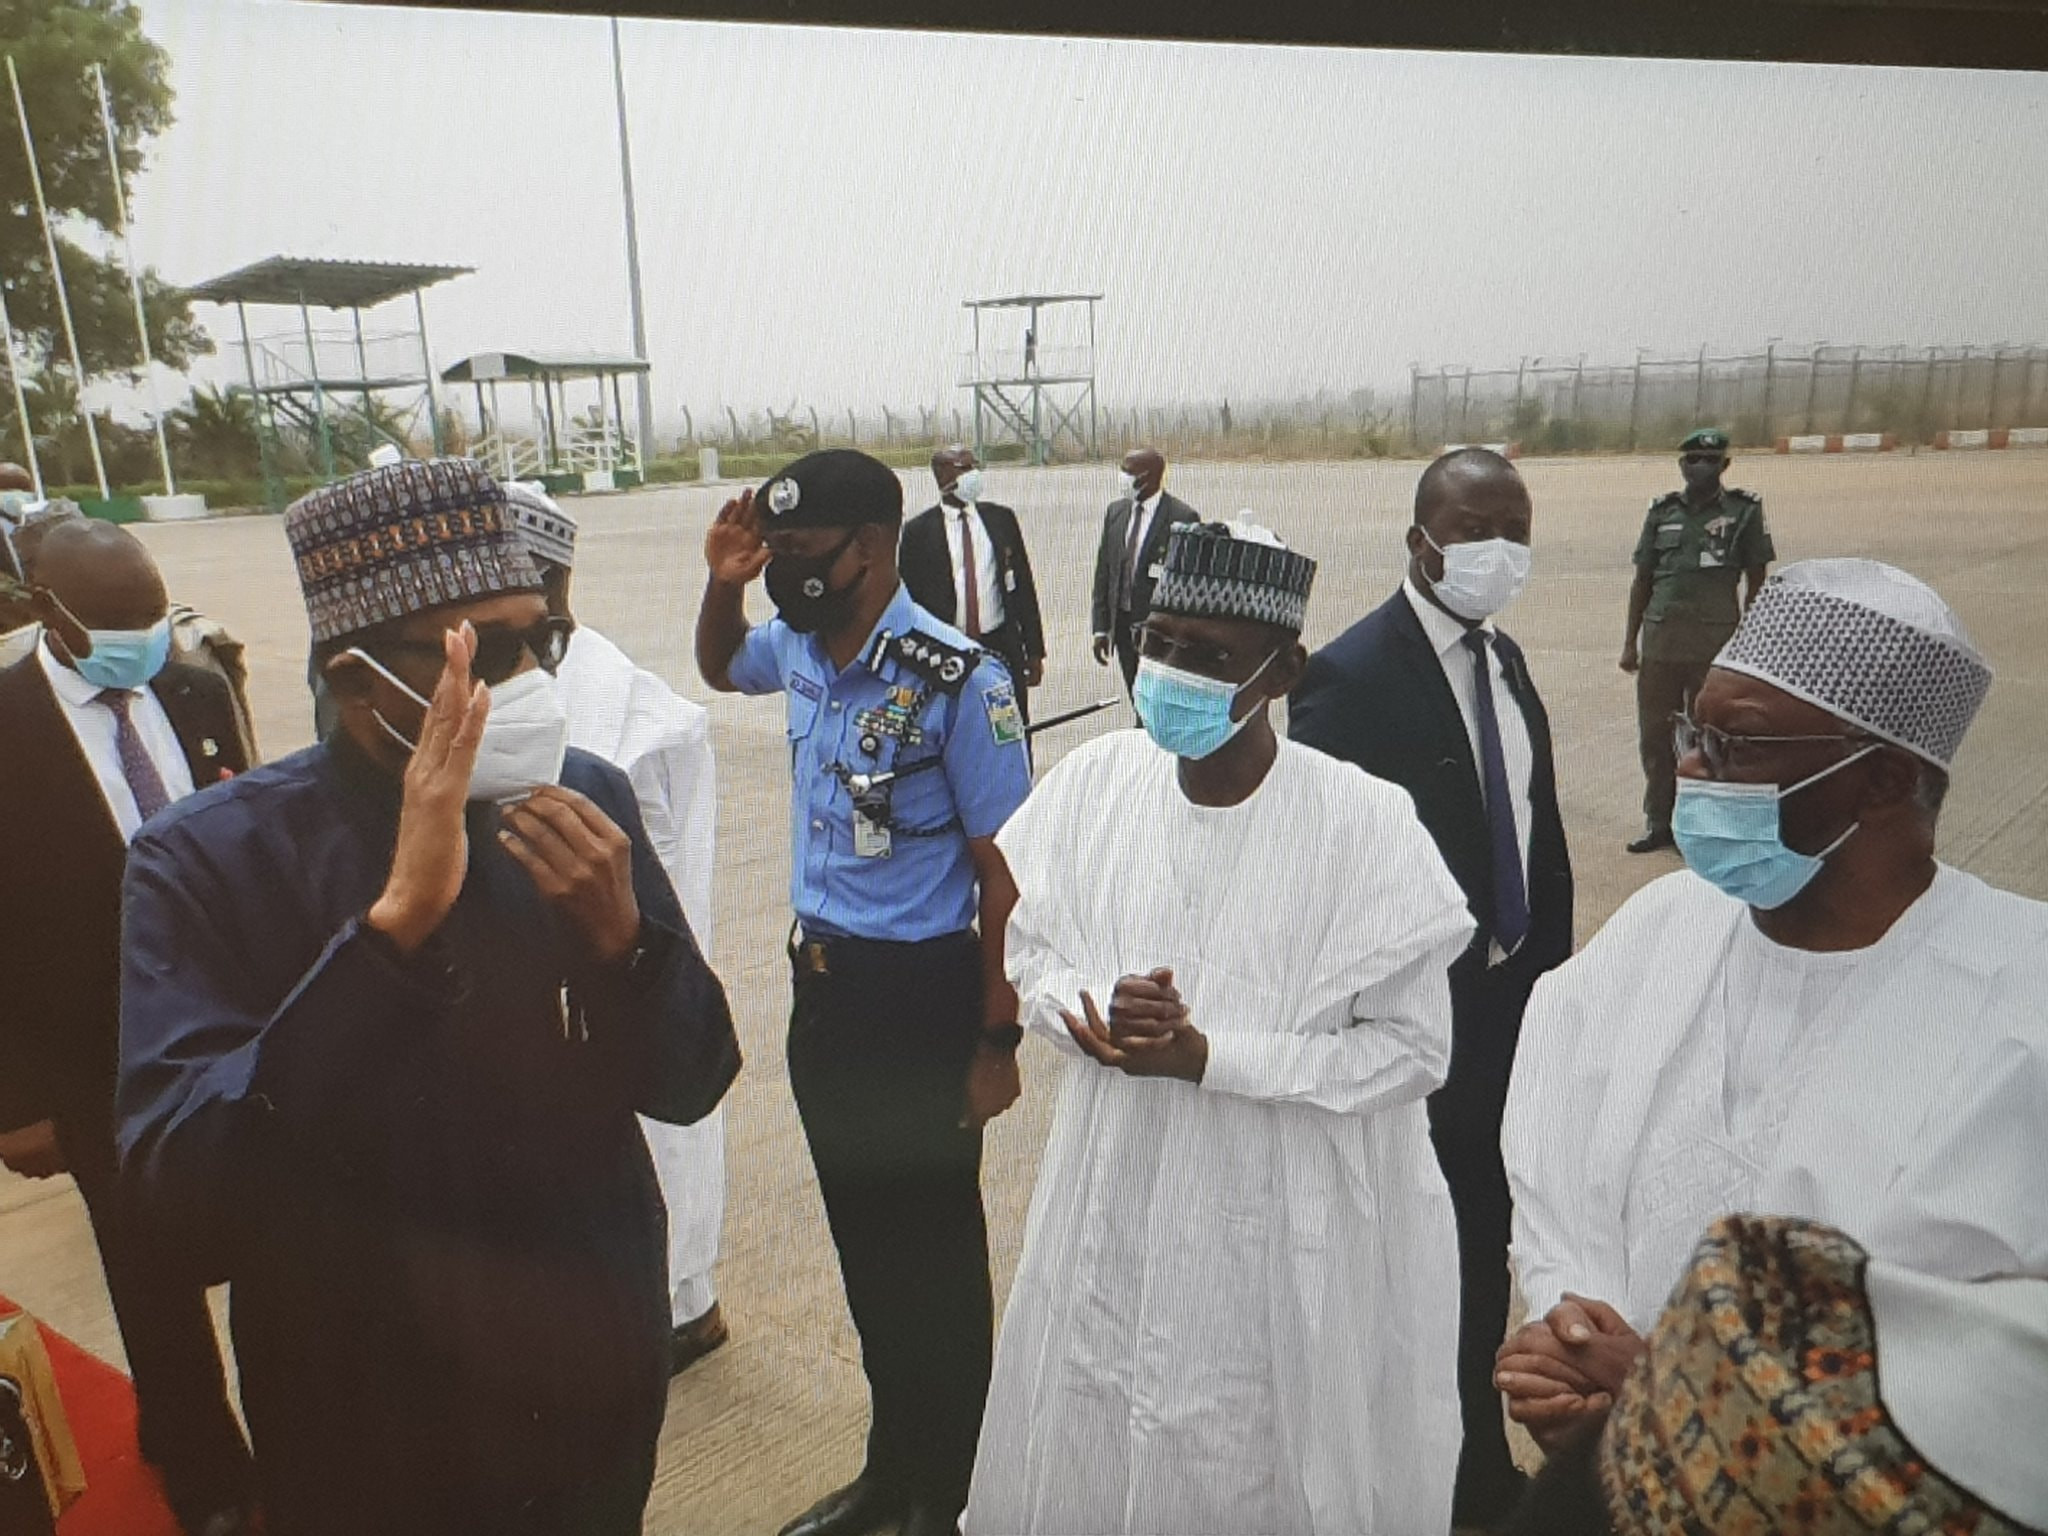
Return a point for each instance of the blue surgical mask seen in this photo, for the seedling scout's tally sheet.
(126, 658)
(1186, 713)
(1730, 837)
(968, 486)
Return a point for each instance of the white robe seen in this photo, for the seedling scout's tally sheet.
(1236, 1311)
(626, 715)
(1905, 1092)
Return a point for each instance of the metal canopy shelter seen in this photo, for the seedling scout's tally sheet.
(588, 454)
(1041, 397)
(293, 373)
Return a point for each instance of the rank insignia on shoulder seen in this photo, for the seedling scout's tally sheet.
(1005, 721)
(945, 667)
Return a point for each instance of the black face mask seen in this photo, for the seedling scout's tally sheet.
(1701, 476)
(799, 588)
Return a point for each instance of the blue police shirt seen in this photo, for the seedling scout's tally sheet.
(923, 886)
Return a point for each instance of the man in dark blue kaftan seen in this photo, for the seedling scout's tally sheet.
(389, 1008)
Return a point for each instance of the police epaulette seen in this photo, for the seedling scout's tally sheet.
(1736, 490)
(945, 667)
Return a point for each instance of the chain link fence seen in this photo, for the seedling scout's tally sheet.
(1554, 406)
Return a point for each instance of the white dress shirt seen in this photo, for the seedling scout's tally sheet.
(1447, 636)
(987, 574)
(1142, 511)
(93, 724)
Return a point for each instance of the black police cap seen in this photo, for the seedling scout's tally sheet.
(832, 488)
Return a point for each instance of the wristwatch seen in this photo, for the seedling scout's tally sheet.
(1003, 1037)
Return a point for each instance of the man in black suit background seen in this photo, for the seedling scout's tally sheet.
(1134, 531)
(965, 563)
(1424, 691)
(102, 732)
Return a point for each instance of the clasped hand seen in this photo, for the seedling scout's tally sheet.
(1147, 1034)
(1562, 1373)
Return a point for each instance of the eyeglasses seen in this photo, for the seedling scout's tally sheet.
(1699, 458)
(1192, 655)
(1724, 751)
(498, 651)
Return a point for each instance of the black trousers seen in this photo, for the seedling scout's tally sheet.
(879, 1046)
(1663, 688)
(188, 1430)
(1123, 630)
(1464, 1123)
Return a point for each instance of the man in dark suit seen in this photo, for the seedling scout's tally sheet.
(101, 734)
(1426, 692)
(964, 561)
(1134, 531)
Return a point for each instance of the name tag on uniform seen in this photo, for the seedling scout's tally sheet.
(869, 840)
(1708, 559)
(814, 691)
(1158, 570)
(1009, 581)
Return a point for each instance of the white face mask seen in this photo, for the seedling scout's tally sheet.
(526, 734)
(968, 486)
(1482, 577)
(1127, 484)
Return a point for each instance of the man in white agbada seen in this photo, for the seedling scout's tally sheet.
(1816, 1019)
(629, 717)
(1237, 1306)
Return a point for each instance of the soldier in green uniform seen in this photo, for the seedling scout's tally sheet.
(1698, 546)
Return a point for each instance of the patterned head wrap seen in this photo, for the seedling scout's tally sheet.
(1235, 570)
(1870, 645)
(402, 539)
(549, 532)
(1757, 1410)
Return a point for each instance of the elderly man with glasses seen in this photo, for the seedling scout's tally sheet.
(1817, 1019)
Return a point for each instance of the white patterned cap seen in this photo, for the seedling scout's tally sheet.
(1234, 570)
(550, 533)
(1869, 644)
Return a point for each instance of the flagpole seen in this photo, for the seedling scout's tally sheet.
(35, 181)
(28, 435)
(645, 396)
(156, 405)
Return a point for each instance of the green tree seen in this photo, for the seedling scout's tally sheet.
(54, 43)
(215, 434)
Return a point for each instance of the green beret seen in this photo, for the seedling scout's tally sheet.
(1712, 439)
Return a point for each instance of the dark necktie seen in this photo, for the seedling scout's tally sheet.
(1131, 556)
(1510, 893)
(144, 782)
(970, 607)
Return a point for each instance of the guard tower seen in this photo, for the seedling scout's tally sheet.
(1029, 389)
(590, 452)
(347, 389)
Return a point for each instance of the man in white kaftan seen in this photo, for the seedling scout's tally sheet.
(1819, 1020)
(623, 713)
(1236, 1310)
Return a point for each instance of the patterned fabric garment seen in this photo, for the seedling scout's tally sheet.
(1756, 1411)
(1233, 571)
(402, 539)
(1869, 643)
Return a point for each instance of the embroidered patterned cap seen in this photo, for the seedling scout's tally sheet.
(1757, 1410)
(549, 532)
(833, 488)
(401, 539)
(1869, 644)
(1235, 570)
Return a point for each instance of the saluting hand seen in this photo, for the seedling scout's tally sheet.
(432, 853)
(732, 546)
(581, 863)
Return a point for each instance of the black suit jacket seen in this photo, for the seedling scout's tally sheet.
(60, 945)
(926, 562)
(1377, 696)
(1109, 559)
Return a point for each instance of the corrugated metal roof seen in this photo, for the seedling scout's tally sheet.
(1026, 300)
(328, 284)
(482, 367)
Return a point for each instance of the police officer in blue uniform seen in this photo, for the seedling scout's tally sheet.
(907, 753)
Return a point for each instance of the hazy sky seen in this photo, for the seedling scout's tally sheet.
(815, 204)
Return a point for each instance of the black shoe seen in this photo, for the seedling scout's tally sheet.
(695, 1339)
(1653, 840)
(931, 1520)
(858, 1509)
